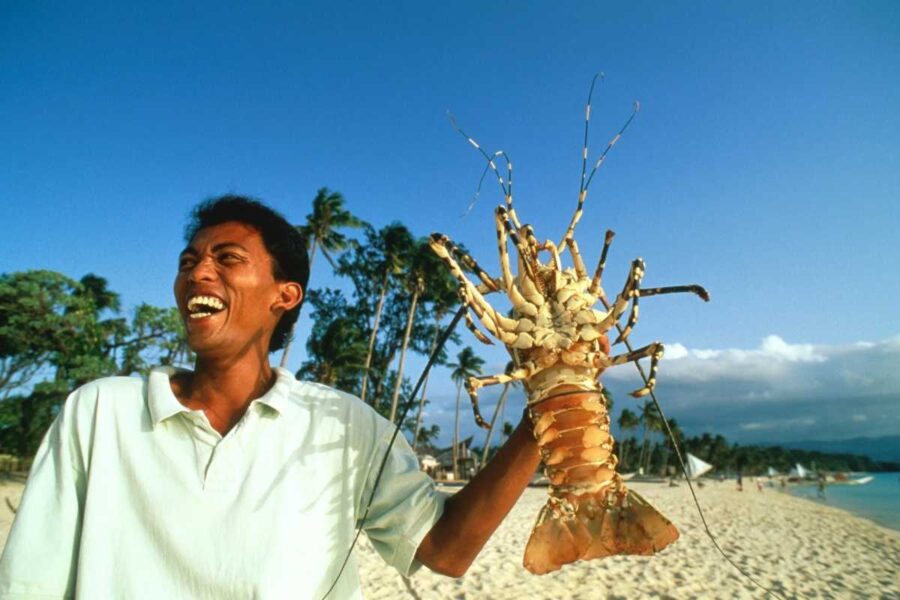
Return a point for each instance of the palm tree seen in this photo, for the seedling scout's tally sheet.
(607, 400)
(335, 355)
(442, 291)
(677, 438)
(468, 364)
(628, 421)
(321, 231)
(393, 245)
(498, 410)
(423, 264)
(651, 422)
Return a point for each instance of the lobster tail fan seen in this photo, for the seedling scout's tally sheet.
(596, 529)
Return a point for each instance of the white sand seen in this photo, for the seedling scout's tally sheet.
(797, 547)
(10, 493)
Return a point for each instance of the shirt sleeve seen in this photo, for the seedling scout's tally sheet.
(41, 553)
(405, 505)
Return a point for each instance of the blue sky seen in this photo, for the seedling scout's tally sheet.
(764, 163)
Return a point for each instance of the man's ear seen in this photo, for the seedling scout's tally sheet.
(289, 295)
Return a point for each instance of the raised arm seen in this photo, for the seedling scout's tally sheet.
(472, 515)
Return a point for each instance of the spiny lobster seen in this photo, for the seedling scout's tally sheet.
(559, 346)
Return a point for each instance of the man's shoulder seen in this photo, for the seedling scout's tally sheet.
(324, 401)
(105, 400)
(305, 393)
(110, 387)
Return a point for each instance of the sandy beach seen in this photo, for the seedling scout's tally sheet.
(797, 547)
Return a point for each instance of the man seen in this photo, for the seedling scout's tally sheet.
(234, 480)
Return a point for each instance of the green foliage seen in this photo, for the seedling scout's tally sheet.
(57, 334)
(322, 226)
(336, 346)
(467, 364)
(728, 459)
(39, 313)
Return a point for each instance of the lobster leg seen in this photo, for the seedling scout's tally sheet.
(550, 247)
(473, 384)
(576, 259)
(631, 283)
(639, 293)
(498, 325)
(601, 264)
(654, 351)
(633, 315)
(676, 289)
(525, 306)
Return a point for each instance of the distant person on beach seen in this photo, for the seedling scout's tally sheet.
(740, 482)
(820, 488)
(235, 480)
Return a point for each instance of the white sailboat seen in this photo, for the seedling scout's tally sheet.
(696, 467)
(798, 472)
(861, 480)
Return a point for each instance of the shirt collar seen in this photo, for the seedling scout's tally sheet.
(163, 403)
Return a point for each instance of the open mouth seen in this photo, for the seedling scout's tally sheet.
(200, 307)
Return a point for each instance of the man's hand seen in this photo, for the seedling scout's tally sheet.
(472, 515)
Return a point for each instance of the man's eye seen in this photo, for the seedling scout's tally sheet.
(229, 257)
(185, 263)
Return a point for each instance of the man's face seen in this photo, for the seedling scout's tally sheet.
(225, 290)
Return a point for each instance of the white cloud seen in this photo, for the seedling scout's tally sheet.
(778, 390)
(776, 348)
(675, 351)
(777, 424)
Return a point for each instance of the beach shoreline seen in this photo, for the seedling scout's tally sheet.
(794, 546)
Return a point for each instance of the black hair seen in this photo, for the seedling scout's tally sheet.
(286, 246)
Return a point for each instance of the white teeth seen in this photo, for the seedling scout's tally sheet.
(199, 315)
(210, 301)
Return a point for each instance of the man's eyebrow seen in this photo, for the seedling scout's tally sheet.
(225, 245)
(188, 250)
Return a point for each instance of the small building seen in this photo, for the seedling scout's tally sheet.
(466, 462)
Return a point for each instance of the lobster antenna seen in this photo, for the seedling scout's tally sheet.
(635, 109)
(582, 189)
(490, 159)
(431, 360)
(484, 173)
(662, 416)
(586, 179)
(505, 187)
(587, 124)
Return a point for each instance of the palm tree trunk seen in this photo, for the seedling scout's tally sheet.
(643, 450)
(290, 340)
(490, 433)
(456, 433)
(437, 335)
(378, 308)
(409, 322)
(623, 451)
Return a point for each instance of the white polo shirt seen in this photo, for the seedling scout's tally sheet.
(133, 495)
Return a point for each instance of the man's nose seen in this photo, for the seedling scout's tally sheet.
(204, 270)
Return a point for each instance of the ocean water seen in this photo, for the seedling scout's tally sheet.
(878, 500)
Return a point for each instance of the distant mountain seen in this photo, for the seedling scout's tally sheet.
(886, 448)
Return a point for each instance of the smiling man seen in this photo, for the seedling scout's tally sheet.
(235, 480)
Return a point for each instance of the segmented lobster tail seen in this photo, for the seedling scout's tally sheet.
(595, 526)
(590, 512)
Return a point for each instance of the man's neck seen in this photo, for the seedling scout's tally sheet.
(224, 390)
